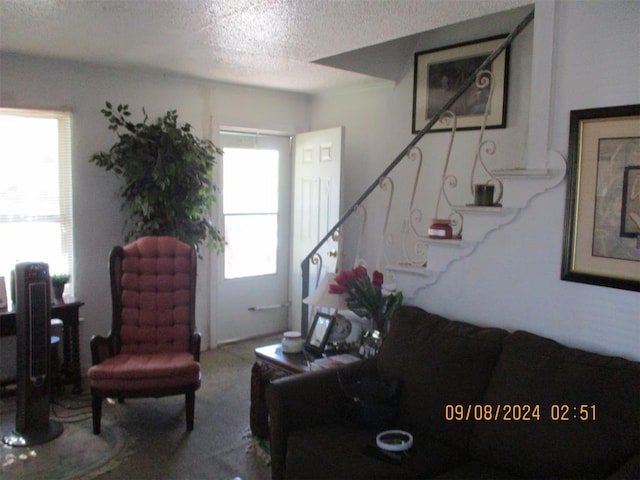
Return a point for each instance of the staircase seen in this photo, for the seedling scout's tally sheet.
(409, 258)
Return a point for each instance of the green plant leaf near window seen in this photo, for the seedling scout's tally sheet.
(60, 278)
(167, 173)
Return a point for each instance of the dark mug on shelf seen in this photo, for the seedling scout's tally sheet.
(483, 195)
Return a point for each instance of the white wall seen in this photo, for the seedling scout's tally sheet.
(83, 89)
(512, 280)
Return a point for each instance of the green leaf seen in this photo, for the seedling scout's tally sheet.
(166, 171)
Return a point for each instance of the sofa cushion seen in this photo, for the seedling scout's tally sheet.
(537, 371)
(440, 362)
(337, 452)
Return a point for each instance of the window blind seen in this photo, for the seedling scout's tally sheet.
(36, 208)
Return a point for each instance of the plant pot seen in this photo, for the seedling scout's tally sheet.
(58, 290)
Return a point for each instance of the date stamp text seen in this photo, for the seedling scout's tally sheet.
(560, 412)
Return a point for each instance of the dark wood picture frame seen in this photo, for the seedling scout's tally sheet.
(601, 246)
(438, 73)
(319, 333)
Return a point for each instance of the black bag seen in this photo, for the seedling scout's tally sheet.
(372, 401)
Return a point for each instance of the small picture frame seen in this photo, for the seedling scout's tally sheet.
(319, 333)
(439, 73)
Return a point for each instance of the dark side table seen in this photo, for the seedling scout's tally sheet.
(270, 364)
(69, 312)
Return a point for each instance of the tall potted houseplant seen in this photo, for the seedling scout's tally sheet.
(167, 174)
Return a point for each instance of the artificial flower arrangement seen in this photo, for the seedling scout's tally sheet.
(366, 297)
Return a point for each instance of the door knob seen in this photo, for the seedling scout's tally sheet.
(333, 253)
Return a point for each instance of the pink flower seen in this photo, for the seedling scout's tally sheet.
(377, 279)
(335, 288)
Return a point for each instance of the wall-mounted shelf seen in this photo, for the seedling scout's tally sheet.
(520, 187)
(497, 211)
(479, 221)
(522, 173)
(409, 269)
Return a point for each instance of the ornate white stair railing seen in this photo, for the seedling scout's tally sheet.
(521, 186)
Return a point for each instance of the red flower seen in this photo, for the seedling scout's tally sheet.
(364, 296)
(343, 278)
(359, 271)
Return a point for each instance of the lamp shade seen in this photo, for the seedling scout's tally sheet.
(322, 298)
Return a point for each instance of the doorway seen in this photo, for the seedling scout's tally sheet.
(316, 209)
(255, 199)
(258, 280)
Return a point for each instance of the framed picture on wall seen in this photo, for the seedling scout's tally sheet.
(439, 73)
(602, 220)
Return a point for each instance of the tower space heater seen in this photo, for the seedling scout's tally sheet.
(33, 314)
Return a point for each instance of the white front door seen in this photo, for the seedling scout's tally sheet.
(253, 277)
(316, 208)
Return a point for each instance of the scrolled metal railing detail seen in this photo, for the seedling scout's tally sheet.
(455, 217)
(447, 118)
(415, 154)
(415, 219)
(360, 211)
(385, 184)
(485, 79)
(317, 260)
(487, 147)
(414, 215)
(414, 252)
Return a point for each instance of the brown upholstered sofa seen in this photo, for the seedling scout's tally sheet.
(442, 364)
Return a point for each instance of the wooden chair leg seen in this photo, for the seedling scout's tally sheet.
(96, 410)
(190, 398)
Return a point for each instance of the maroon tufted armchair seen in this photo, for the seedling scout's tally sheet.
(153, 349)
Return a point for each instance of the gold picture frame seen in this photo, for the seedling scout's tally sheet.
(602, 219)
(439, 73)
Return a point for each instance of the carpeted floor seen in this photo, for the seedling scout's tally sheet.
(76, 453)
(147, 438)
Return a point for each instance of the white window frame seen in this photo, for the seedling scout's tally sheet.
(65, 214)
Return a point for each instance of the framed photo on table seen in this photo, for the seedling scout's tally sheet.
(602, 219)
(439, 73)
(319, 333)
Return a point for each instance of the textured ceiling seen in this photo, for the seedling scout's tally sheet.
(279, 44)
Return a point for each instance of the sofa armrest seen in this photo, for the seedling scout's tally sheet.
(628, 471)
(302, 401)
